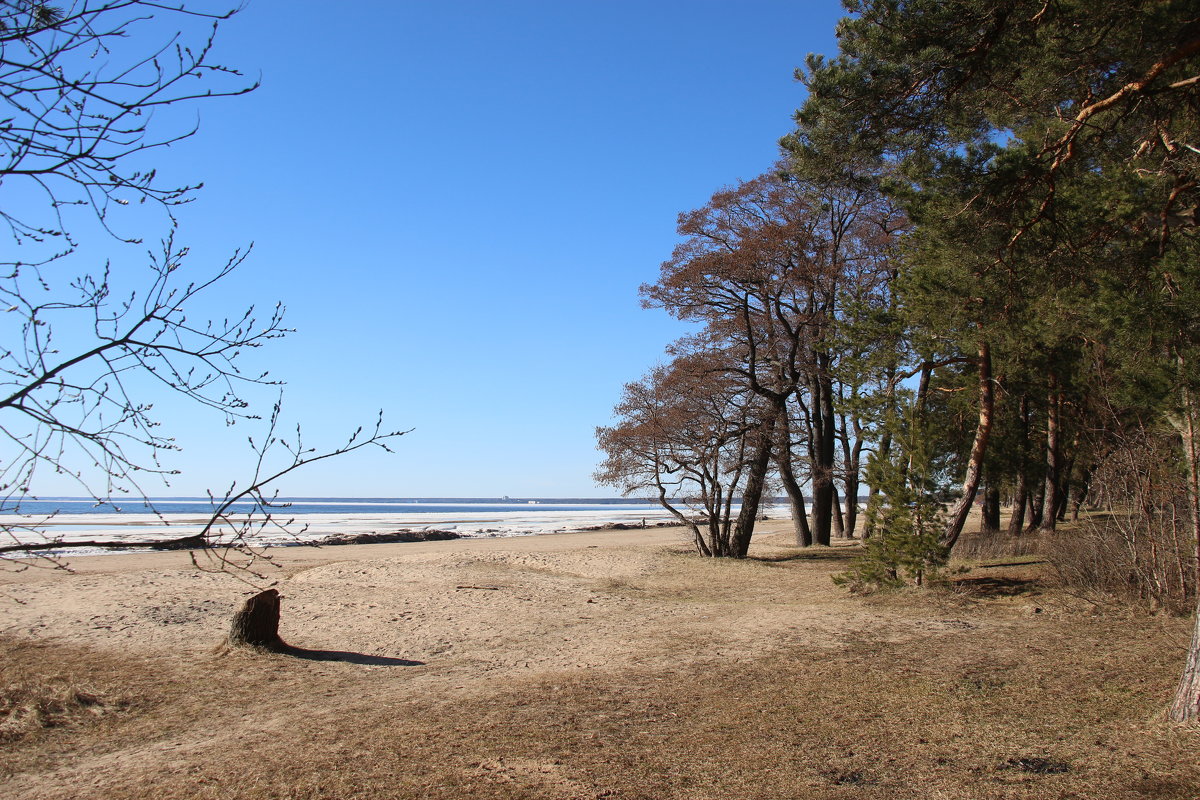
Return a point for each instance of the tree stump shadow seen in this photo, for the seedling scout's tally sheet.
(346, 657)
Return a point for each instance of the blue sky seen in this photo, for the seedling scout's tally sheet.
(457, 202)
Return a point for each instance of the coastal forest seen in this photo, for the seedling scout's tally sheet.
(972, 278)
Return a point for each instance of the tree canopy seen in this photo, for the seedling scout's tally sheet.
(974, 275)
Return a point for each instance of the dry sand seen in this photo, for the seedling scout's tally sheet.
(468, 610)
(588, 665)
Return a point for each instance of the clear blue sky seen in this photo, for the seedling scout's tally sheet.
(457, 202)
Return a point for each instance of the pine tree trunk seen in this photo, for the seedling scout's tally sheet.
(1064, 499)
(852, 462)
(1079, 497)
(257, 624)
(822, 466)
(1053, 492)
(839, 523)
(1186, 706)
(1036, 501)
(885, 452)
(989, 522)
(851, 503)
(922, 399)
(983, 431)
(1017, 521)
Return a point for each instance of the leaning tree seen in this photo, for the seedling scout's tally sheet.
(690, 436)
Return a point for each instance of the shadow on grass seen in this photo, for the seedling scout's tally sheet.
(994, 587)
(346, 657)
(840, 553)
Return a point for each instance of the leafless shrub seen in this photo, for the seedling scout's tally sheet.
(1139, 551)
(997, 544)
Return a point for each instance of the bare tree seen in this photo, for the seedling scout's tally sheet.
(82, 84)
(87, 349)
(769, 267)
(688, 435)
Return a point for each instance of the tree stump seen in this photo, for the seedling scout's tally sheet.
(257, 624)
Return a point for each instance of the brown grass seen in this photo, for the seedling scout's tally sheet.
(32, 704)
(974, 546)
(1001, 689)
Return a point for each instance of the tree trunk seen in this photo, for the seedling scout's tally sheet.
(1067, 465)
(756, 480)
(989, 522)
(1191, 450)
(1036, 502)
(1053, 492)
(698, 538)
(1017, 521)
(1079, 497)
(983, 430)
(787, 476)
(852, 463)
(822, 466)
(1064, 498)
(919, 404)
(885, 452)
(257, 624)
(851, 503)
(1186, 706)
(799, 511)
(839, 523)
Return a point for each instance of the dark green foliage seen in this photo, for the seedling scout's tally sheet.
(906, 517)
(904, 548)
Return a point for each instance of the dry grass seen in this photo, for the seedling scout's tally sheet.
(1127, 560)
(1120, 561)
(980, 547)
(983, 698)
(30, 706)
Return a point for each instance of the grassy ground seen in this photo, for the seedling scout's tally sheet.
(1002, 688)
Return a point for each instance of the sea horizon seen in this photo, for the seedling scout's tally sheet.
(80, 519)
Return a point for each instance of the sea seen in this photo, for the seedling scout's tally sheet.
(310, 519)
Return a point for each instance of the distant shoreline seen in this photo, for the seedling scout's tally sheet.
(110, 529)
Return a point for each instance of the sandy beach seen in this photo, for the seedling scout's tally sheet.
(586, 665)
(477, 608)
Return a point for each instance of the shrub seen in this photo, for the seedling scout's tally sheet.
(1140, 551)
(907, 521)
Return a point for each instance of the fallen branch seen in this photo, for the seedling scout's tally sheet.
(193, 542)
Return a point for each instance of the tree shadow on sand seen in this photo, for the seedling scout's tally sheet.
(346, 657)
(842, 553)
